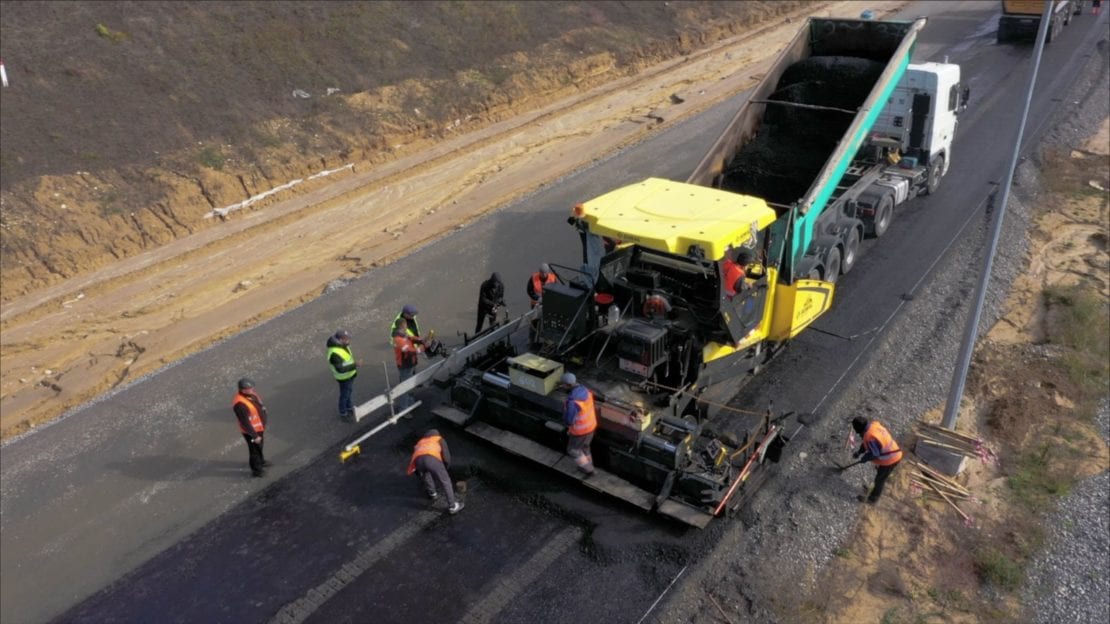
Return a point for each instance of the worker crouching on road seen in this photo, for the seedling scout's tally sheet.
(252, 423)
(406, 351)
(881, 449)
(430, 459)
(581, 420)
(344, 368)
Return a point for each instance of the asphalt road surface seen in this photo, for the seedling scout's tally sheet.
(139, 506)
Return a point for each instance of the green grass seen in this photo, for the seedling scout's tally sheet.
(115, 36)
(111, 203)
(994, 567)
(1080, 321)
(211, 157)
(1034, 483)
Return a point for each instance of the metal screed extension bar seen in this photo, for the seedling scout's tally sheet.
(443, 369)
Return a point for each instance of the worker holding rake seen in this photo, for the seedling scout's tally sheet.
(879, 448)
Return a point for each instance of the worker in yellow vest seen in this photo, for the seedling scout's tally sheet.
(344, 368)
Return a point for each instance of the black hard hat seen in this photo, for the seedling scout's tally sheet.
(859, 424)
(342, 334)
(743, 256)
(246, 383)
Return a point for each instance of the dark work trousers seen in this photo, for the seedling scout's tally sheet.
(405, 400)
(578, 447)
(881, 474)
(346, 388)
(257, 461)
(484, 314)
(432, 471)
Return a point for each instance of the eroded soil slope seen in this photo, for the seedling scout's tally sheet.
(127, 123)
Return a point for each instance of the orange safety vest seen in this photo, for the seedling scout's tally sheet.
(255, 418)
(586, 420)
(404, 351)
(426, 446)
(538, 282)
(891, 453)
(733, 273)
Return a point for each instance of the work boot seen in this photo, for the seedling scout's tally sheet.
(433, 495)
(456, 508)
(863, 499)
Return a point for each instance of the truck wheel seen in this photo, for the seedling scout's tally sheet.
(832, 266)
(851, 252)
(884, 214)
(936, 169)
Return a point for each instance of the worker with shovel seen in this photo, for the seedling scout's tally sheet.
(879, 448)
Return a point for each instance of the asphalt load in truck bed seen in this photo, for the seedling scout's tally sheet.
(780, 163)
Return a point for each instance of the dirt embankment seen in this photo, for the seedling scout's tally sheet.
(127, 124)
(1032, 393)
(65, 343)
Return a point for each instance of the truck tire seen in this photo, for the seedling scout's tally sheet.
(936, 170)
(831, 273)
(884, 214)
(851, 251)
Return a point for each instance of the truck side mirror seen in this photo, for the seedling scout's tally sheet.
(965, 95)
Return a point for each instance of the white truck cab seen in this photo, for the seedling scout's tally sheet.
(921, 113)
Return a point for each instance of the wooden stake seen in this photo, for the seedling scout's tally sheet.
(723, 614)
(949, 501)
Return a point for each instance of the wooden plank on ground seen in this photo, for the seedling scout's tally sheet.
(516, 444)
(685, 513)
(607, 483)
(451, 414)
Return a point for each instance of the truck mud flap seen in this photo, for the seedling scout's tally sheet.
(602, 481)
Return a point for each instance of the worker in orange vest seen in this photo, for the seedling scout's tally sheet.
(252, 423)
(405, 352)
(580, 417)
(538, 280)
(734, 272)
(881, 449)
(430, 459)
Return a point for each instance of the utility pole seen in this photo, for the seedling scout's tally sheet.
(971, 331)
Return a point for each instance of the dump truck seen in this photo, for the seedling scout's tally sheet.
(1021, 19)
(840, 130)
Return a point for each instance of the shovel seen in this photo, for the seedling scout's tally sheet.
(838, 468)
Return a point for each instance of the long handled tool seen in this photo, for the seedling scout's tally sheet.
(840, 468)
